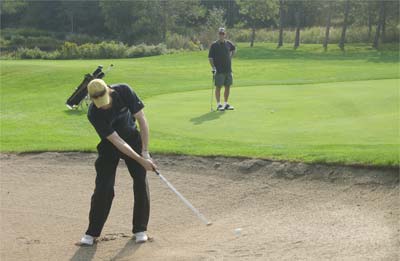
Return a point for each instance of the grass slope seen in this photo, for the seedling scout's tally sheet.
(347, 122)
(350, 121)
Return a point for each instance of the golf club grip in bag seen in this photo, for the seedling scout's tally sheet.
(81, 92)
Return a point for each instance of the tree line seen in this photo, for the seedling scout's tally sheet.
(151, 22)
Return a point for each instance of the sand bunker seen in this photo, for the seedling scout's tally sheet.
(285, 211)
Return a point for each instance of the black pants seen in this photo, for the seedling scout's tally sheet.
(106, 165)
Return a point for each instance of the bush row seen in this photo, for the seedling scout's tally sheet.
(313, 35)
(102, 50)
(177, 41)
(14, 38)
(17, 41)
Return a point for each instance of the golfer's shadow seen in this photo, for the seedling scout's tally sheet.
(84, 253)
(209, 116)
(87, 253)
(128, 250)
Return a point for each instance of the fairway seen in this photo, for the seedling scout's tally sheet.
(303, 105)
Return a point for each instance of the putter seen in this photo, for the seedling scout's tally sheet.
(212, 92)
(187, 203)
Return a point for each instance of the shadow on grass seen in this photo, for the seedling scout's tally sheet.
(209, 116)
(77, 112)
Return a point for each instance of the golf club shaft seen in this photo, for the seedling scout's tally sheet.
(109, 68)
(212, 92)
(187, 203)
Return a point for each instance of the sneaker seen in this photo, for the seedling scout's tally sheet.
(141, 237)
(228, 107)
(220, 107)
(87, 240)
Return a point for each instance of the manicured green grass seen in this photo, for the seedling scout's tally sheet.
(331, 122)
(283, 109)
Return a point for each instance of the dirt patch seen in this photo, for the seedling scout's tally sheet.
(261, 210)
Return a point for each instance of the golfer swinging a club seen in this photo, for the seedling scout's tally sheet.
(220, 56)
(113, 113)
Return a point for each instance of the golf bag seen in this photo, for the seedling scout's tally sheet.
(80, 94)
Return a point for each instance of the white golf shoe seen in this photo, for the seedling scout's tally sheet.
(87, 240)
(228, 107)
(141, 237)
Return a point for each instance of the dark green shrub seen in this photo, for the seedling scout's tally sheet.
(69, 51)
(103, 50)
(89, 51)
(80, 39)
(177, 41)
(45, 43)
(17, 41)
(112, 50)
(25, 53)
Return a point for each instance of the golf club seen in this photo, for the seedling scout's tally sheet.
(212, 91)
(187, 203)
(109, 68)
(102, 74)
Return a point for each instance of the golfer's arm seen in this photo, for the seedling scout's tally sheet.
(211, 60)
(124, 147)
(144, 129)
(233, 53)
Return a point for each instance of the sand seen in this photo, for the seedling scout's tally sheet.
(284, 211)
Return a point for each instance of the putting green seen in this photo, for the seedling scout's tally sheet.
(296, 121)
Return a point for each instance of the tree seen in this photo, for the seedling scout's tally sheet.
(12, 7)
(10, 12)
(133, 21)
(298, 13)
(91, 20)
(345, 24)
(230, 8)
(257, 13)
(281, 22)
(369, 5)
(383, 23)
(329, 7)
(391, 21)
(379, 25)
(43, 15)
(73, 10)
(297, 35)
(181, 16)
(215, 19)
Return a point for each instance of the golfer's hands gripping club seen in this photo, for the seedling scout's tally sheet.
(144, 159)
(148, 163)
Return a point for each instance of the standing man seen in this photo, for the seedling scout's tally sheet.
(220, 56)
(113, 113)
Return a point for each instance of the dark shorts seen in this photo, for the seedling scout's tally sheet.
(223, 79)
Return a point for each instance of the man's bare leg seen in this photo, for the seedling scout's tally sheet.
(226, 97)
(226, 93)
(218, 98)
